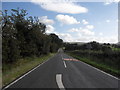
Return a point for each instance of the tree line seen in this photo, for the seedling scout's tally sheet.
(96, 46)
(24, 36)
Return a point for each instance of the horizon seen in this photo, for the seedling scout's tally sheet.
(92, 41)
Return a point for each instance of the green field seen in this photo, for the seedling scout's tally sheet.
(12, 71)
(115, 49)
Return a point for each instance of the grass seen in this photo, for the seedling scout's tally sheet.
(115, 49)
(13, 71)
(90, 51)
(102, 66)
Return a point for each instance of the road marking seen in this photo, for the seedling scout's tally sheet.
(64, 64)
(61, 56)
(101, 71)
(59, 81)
(24, 75)
(68, 59)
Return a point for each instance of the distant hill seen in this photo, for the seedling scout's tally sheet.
(78, 43)
(81, 43)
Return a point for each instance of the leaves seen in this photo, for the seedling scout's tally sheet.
(25, 36)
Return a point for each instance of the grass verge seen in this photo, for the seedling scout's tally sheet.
(13, 71)
(102, 66)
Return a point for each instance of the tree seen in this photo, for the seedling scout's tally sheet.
(56, 42)
(25, 36)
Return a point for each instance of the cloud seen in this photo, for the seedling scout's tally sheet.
(73, 30)
(49, 29)
(117, 1)
(117, 20)
(84, 39)
(87, 32)
(100, 34)
(66, 37)
(82, 32)
(108, 2)
(66, 19)
(107, 21)
(61, 6)
(85, 35)
(70, 37)
(90, 27)
(45, 20)
(100, 39)
(85, 22)
(112, 39)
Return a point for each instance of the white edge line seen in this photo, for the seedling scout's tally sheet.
(100, 70)
(64, 64)
(24, 75)
(59, 81)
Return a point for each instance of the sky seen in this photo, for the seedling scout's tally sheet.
(74, 21)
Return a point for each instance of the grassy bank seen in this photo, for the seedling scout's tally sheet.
(12, 71)
(107, 68)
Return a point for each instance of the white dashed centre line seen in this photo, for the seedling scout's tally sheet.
(65, 64)
(59, 81)
(62, 57)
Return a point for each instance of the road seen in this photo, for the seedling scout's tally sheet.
(63, 71)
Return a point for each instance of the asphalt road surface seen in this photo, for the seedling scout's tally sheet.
(63, 71)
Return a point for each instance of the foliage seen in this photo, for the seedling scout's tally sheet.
(24, 36)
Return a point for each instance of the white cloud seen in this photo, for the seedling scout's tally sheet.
(98, 39)
(49, 29)
(85, 22)
(100, 34)
(84, 39)
(61, 6)
(48, 22)
(86, 35)
(104, 39)
(87, 32)
(117, 20)
(107, 21)
(90, 27)
(66, 37)
(73, 30)
(117, 1)
(45, 20)
(70, 37)
(82, 32)
(108, 2)
(66, 19)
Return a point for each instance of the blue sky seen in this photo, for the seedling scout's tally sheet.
(75, 21)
